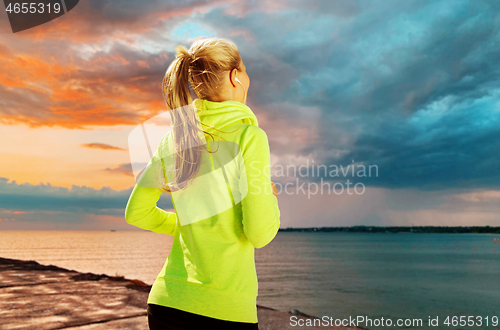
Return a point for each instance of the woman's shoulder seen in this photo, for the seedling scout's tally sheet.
(253, 136)
(253, 132)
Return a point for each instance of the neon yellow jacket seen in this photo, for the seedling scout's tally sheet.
(210, 270)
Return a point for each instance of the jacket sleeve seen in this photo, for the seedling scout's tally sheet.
(141, 210)
(261, 214)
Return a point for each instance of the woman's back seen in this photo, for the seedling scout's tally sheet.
(211, 269)
(226, 210)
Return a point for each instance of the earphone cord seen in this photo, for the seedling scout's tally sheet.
(244, 91)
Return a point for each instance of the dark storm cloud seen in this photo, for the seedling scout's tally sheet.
(129, 9)
(414, 85)
(460, 149)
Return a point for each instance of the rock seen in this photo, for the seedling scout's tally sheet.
(43, 297)
(297, 312)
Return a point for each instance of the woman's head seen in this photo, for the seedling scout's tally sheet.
(213, 67)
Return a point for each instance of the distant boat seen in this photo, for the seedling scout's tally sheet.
(113, 230)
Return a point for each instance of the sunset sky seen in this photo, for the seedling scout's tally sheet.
(412, 87)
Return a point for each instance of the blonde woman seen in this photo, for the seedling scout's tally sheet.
(209, 279)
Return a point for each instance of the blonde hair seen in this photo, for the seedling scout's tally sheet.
(202, 68)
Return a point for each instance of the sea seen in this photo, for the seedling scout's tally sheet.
(401, 277)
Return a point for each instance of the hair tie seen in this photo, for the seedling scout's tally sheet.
(186, 55)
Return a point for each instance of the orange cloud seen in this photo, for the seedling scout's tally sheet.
(114, 87)
(13, 212)
(73, 96)
(481, 196)
(19, 69)
(143, 64)
(101, 146)
(67, 93)
(122, 169)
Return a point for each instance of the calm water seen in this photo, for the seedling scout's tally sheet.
(334, 274)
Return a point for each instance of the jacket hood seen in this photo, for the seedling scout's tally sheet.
(222, 114)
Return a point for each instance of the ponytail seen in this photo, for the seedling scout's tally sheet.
(185, 130)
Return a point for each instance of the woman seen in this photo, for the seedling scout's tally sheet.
(209, 279)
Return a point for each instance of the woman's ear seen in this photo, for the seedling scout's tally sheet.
(232, 76)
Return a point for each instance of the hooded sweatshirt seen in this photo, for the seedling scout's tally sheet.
(210, 269)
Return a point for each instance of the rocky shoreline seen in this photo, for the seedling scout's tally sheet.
(43, 297)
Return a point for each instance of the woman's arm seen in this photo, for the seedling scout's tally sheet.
(141, 210)
(261, 214)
